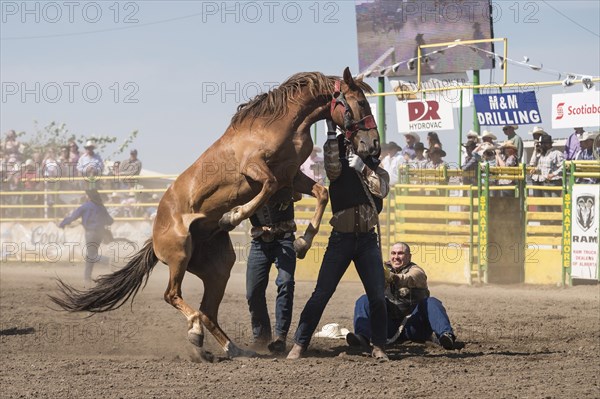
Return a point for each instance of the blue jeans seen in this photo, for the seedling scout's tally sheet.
(428, 317)
(93, 239)
(343, 248)
(262, 256)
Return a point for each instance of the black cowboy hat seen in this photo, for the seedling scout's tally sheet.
(436, 150)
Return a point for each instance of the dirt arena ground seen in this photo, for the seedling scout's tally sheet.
(520, 342)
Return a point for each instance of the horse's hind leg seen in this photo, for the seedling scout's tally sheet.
(305, 185)
(175, 248)
(212, 262)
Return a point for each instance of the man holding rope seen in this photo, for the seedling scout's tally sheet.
(357, 191)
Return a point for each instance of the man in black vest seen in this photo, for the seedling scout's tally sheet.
(412, 314)
(353, 238)
(272, 234)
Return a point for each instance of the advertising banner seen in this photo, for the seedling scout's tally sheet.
(576, 109)
(507, 109)
(426, 115)
(585, 208)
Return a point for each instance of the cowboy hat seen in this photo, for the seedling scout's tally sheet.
(435, 150)
(392, 146)
(588, 136)
(89, 144)
(545, 138)
(415, 135)
(515, 127)
(332, 330)
(487, 133)
(509, 144)
(537, 130)
(473, 134)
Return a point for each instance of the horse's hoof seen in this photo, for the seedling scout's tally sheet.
(301, 247)
(202, 356)
(233, 352)
(196, 339)
(230, 219)
(225, 222)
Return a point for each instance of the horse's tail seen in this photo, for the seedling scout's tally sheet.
(112, 290)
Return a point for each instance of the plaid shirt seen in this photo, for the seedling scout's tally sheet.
(550, 163)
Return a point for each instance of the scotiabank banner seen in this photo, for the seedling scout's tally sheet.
(576, 110)
(426, 115)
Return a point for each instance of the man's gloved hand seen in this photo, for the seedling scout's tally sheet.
(331, 129)
(355, 162)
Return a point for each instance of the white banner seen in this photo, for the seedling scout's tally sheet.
(435, 82)
(46, 242)
(576, 110)
(585, 208)
(424, 116)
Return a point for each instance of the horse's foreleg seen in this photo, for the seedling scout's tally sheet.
(259, 172)
(305, 185)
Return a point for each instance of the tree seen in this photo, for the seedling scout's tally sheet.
(56, 135)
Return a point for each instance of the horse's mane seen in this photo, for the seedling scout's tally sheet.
(274, 104)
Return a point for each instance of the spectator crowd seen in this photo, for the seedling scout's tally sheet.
(54, 173)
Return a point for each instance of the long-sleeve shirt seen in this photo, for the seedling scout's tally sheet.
(392, 164)
(409, 151)
(405, 288)
(518, 142)
(535, 158)
(93, 216)
(376, 181)
(469, 168)
(93, 162)
(572, 146)
(550, 163)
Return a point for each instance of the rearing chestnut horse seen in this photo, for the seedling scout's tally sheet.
(259, 154)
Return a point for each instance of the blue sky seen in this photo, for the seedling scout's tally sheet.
(176, 71)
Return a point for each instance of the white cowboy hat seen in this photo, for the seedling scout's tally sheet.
(473, 134)
(588, 136)
(509, 144)
(90, 144)
(537, 130)
(487, 133)
(415, 135)
(332, 330)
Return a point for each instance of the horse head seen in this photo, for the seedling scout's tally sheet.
(351, 111)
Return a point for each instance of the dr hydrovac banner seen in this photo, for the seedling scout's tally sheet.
(507, 109)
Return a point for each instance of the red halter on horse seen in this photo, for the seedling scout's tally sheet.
(259, 154)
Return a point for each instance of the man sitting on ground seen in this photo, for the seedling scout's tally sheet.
(413, 315)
